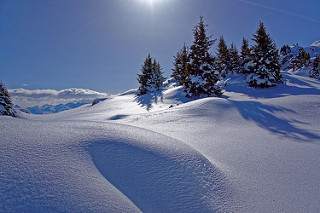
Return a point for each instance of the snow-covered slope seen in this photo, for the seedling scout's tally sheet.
(249, 151)
(316, 44)
(293, 51)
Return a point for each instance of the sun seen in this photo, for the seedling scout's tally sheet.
(151, 2)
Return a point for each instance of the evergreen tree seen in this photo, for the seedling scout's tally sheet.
(235, 62)
(245, 56)
(286, 57)
(181, 65)
(314, 73)
(285, 49)
(151, 78)
(301, 60)
(305, 58)
(223, 58)
(158, 78)
(146, 77)
(203, 78)
(265, 60)
(6, 106)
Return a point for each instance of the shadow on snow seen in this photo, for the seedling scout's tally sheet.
(264, 116)
(158, 183)
(292, 86)
(148, 99)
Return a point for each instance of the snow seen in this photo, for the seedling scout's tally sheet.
(253, 150)
(315, 44)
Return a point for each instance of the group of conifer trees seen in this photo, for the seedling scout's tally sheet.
(302, 59)
(199, 72)
(151, 78)
(194, 67)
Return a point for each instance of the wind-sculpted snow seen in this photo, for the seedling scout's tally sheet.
(172, 180)
(102, 167)
(44, 168)
(252, 150)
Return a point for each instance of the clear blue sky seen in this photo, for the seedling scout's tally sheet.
(101, 44)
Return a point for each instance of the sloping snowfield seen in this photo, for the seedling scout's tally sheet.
(249, 151)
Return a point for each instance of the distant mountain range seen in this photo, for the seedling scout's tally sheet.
(49, 109)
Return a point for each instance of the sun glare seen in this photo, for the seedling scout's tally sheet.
(150, 2)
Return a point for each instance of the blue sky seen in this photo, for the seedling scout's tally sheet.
(101, 44)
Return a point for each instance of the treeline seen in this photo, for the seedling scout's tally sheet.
(200, 73)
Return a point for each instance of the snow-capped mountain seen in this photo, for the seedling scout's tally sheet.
(48, 109)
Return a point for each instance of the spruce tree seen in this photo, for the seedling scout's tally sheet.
(145, 79)
(151, 77)
(181, 65)
(314, 72)
(158, 78)
(285, 49)
(287, 57)
(223, 58)
(301, 60)
(265, 60)
(235, 62)
(245, 56)
(203, 78)
(6, 105)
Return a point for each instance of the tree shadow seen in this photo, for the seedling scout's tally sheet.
(148, 99)
(291, 86)
(264, 116)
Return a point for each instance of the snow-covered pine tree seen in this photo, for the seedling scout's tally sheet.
(285, 49)
(245, 56)
(265, 61)
(203, 79)
(6, 106)
(157, 77)
(145, 78)
(223, 58)
(306, 58)
(181, 64)
(286, 56)
(303, 59)
(235, 62)
(314, 72)
(151, 78)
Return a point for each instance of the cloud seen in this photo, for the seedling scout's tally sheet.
(26, 98)
(279, 10)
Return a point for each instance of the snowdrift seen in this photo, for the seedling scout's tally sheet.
(97, 167)
(252, 150)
